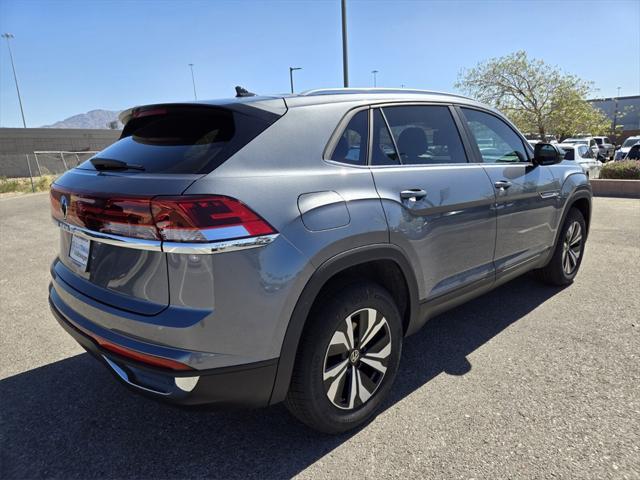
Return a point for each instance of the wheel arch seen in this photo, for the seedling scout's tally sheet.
(579, 198)
(360, 261)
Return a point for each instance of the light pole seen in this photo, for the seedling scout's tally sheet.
(345, 58)
(615, 118)
(193, 81)
(9, 36)
(291, 70)
(375, 83)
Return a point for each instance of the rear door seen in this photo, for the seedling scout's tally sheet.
(438, 205)
(526, 195)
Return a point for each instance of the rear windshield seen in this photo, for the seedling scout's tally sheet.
(185, 140)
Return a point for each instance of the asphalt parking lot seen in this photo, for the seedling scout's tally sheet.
(525, 382)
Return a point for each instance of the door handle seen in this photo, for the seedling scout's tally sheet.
(413, 194)
(502, 184)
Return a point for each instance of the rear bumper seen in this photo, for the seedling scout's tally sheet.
(247, 385)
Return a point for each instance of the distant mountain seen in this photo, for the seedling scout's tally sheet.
(92, 119)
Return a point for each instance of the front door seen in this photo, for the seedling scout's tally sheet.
(526, 195)
(438, 205)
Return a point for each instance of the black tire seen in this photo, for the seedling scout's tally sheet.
(555, 272)
(309, 393)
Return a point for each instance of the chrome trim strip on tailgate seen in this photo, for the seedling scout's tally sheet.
(109, 239)
(218, 247)
(169, 247)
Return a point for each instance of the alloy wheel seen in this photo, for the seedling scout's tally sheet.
(356, 359)
(572, 248)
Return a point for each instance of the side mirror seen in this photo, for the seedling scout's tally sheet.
(547, 154)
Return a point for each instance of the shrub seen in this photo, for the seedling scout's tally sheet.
(40, 184)
(624, 170)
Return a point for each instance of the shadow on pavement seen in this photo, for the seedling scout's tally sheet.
(70, 419)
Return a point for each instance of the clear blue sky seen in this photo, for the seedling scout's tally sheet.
(75, 56)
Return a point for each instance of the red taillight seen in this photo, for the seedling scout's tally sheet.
(189, 218)
(124, 216)
(206, 219)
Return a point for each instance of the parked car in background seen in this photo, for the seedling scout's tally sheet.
(626, 146)
(634, 152)
(589, 141)
(532, 139)
(583, 156)
(255, 250)
(607, 149)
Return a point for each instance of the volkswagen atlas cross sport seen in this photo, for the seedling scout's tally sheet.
(264, 249)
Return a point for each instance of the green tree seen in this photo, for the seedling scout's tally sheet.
(536, 96)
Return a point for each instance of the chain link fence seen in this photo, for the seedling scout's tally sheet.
(40, 163)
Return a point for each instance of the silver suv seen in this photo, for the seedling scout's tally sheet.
(264, 249)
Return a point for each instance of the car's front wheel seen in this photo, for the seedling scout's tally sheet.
(347, 360)
(567, 256)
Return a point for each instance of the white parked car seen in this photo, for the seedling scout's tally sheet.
(588, 141)
(607, 149)
(626, 146)
(582, 155)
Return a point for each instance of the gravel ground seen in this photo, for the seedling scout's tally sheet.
(525, 382)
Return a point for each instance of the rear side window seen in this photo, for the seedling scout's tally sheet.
(352, 145)
(598, 141)
(185, 140)
(496, 140)
(584, 151)
(425, 135)
(569, 153)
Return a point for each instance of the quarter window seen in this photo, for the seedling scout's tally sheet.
(496, 140)
(425, 135)
(352, 145)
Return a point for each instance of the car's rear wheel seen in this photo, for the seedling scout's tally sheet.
(567, 257)
(347, 360)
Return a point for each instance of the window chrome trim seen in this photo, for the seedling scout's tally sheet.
(169, 247)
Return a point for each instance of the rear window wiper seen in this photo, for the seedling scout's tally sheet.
(111, 164)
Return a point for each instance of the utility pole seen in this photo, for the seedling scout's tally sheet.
(9, 36)
(291, 70)
(375, 83)
(193, 81)
(345, 58)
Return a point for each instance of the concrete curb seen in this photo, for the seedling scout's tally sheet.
(615, 188)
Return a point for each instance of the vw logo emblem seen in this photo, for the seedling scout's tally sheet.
(355, 356)
(64, 206)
